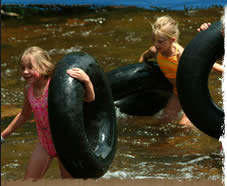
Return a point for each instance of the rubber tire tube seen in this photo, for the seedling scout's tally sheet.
(192, 80)
(84, 134)
(146, 103)
(135, 78)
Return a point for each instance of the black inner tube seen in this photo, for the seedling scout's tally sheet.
(140, 89)
(136, 78)
(192, 80)
(84, 134)
(144, 103)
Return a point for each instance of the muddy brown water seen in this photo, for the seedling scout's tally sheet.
(116, 37)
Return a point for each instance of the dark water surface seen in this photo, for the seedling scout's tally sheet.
(115, 37)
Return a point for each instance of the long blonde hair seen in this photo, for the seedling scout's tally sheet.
(166, 26)
(43, 62)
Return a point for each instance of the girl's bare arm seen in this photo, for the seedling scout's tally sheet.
(20, 118)
(203, 26)
(82, 76)
(147, 54)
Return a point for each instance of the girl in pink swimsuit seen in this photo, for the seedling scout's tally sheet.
(36, 70)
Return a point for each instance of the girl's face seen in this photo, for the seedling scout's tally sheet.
(29, 72)
(162, 44)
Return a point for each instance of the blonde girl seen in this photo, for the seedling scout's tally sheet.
(167, 52)
(36, 69)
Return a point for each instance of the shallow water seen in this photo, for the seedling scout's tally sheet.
(115, 37)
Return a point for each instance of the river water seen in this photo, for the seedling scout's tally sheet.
(115, 36)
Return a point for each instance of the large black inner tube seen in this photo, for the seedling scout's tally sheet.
(140, 89)
(135, 78)
(192, 80)
(84, 134)
(145, 103)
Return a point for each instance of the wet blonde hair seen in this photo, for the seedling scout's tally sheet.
(166, 26)
(43, 63)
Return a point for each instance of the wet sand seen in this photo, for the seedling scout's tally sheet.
(114, 182)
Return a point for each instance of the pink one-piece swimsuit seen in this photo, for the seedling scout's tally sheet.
(40, 109)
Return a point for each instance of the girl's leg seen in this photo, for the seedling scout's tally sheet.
(38, 163)
(172, 109)
(184, 120)
(64, 172)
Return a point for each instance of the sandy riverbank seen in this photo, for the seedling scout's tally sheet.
(114, 182)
